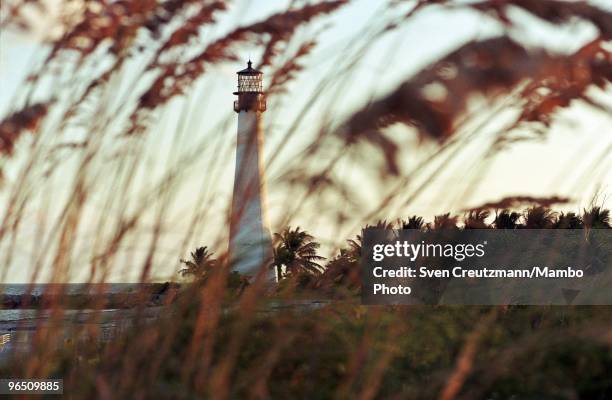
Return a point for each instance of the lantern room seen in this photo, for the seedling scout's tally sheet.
(249, 80)
(250, 90)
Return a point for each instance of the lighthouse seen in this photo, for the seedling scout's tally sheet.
(250, 245)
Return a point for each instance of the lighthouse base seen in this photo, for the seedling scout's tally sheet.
(250, 252)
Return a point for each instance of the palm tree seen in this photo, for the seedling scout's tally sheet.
(413, 222)
(444, 221)
(353, 253)
(200, 264)
(568, 221)
(476, 219)
(596, 218)
(297, 252)
(354, 249)
(343, 270)
(506, 220)
(538, 217)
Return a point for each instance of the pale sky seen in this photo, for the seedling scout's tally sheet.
(557, 165)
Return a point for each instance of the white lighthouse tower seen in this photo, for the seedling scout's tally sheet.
(250, 246)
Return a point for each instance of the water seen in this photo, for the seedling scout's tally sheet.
(17, 315)
(30, 314)
(73, 288)
(17, 335)
(17, 326)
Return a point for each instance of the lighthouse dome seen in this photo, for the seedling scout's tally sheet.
(249, 70)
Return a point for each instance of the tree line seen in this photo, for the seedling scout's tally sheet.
(296, 252)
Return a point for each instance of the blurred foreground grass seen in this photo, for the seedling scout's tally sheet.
(342, 350)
